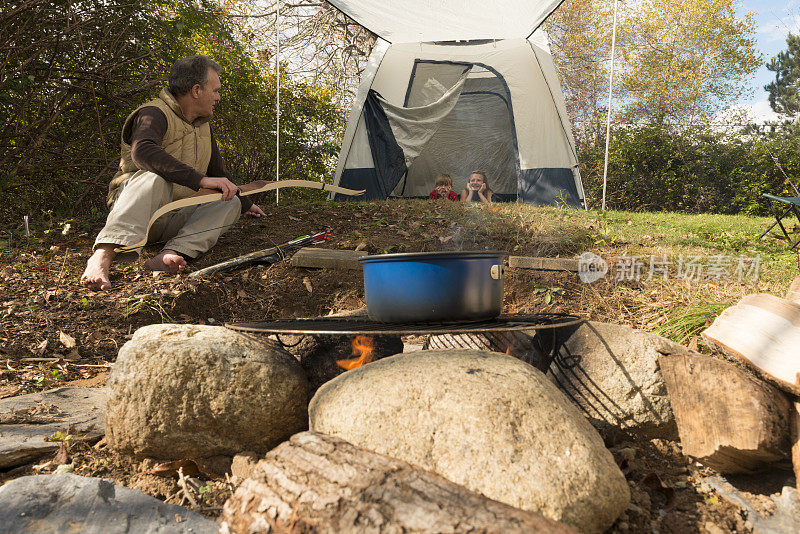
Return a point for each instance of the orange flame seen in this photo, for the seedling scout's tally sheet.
(363, 347)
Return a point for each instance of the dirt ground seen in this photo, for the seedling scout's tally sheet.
(53, 332)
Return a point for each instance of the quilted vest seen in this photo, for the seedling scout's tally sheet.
(188, 143)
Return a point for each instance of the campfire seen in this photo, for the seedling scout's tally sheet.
(363, 349)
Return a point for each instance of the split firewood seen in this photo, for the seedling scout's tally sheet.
(793, 294)
(726, 418)
(319, 483)
(763, 332)
(794, 424)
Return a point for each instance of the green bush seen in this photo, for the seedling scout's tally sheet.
(657, 167)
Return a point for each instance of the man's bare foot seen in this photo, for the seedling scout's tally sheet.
(167, 260)
(96, 274)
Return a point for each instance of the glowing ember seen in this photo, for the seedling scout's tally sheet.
(363, 347)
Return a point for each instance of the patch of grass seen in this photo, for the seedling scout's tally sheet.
(686, 323)
(134, 305)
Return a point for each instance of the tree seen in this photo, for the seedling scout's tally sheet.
(318, 43)
(686, 58)
(676, 60)
(580, 39)
(784, 94)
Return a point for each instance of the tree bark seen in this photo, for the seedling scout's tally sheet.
(726, 419)
(319, 483)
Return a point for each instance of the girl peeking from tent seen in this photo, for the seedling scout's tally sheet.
(444, 188)
(477, 188)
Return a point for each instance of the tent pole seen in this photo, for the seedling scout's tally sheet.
(277, 96)
(608, 114)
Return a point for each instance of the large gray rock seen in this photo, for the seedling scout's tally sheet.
(611, 371)
(70, 503)
(180, 391)
(28, 420)
(483, 420)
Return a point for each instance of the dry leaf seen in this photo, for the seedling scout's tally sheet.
(170, 469)
(446, 239)
(361, 246)
(241, 294)
(40, 348)
(73, 355)
(403, 233)
(307, 283)
(294, 218)
(67, 340)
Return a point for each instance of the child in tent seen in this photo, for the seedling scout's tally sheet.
(477, 188)
(444, 188)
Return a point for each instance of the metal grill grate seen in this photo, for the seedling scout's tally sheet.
(364, 325)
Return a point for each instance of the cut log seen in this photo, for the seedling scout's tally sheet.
(763, 332)
(319, 483)
(794, 425)
(726, 418)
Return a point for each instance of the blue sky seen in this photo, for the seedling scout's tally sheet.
(774, 18)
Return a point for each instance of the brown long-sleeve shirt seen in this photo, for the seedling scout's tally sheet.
(145, 134)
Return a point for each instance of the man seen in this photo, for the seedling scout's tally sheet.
(168, 153)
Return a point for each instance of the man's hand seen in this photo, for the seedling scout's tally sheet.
(225, 186)
(255, 211)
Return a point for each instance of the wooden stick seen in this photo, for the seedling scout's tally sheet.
(268, 255)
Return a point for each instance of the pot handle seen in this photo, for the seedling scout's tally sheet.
(497, 272)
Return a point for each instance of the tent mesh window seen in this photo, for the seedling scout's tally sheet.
(477, 135)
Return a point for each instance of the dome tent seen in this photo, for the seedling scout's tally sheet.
(476, 89)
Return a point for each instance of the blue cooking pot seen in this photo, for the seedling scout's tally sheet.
(433, 286)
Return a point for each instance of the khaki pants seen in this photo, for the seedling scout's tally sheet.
(189, 231)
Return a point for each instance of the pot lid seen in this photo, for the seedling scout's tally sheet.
(410, 21)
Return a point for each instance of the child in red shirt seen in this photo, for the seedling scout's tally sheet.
(444, 188)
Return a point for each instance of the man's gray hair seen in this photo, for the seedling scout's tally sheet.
(190, 71)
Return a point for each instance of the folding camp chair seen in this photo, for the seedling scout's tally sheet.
(792, 206)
